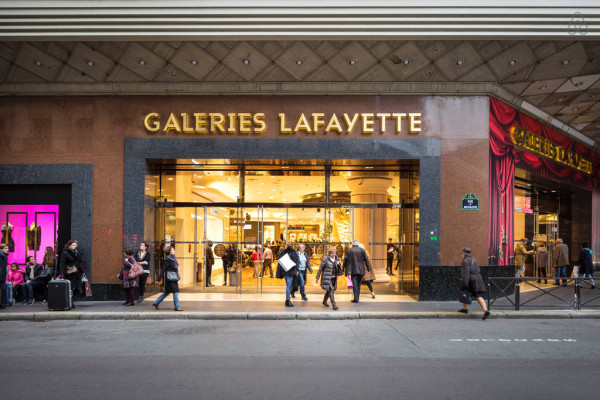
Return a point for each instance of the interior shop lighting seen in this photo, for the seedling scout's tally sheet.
(38, 63)
(512, 62)
(195, 162)
(459, 62)
(352, 62)
(141, 62)
(90, 63)
(565, 61)
(194, 62)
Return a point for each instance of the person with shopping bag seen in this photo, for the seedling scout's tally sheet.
(169, 274)
(471, 283)
(328, 271)
(287, 268)
(355, 263)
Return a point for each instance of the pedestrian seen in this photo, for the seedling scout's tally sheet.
(268, 261)
(169, 274)
(289, 274)
(369, 276)
(391, 250)
(521, 254)
(472, 282)
(3, 272)
(303, 265)
(210, 261)
(129, 284)
(257, 261)
(142, 257)
(586, 266)
(560, 260)
(228, 259)
(33, 281)
(71, 267)
(354, 265)
(328, 271)
(16, 277)
(542, 262)
(49, 271)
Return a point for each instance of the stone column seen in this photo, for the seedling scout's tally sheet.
(370, 224)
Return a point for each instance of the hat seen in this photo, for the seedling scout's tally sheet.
(466, 251)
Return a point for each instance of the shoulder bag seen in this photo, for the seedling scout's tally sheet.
(464, 297)
(71, 270)
(135, 270)
(173, 276)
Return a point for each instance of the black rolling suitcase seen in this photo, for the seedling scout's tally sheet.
(59, 295)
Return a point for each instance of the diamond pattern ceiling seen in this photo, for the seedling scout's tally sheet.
(562, 78)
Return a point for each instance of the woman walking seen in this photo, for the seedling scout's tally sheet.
(328, 271)
(170, 275)
(142, 257)
(289, 274)
(369, 276)
(71, 267)
(471, 282)
(129, 284)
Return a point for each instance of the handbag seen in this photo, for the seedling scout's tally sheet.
(173, 276)
(464, 297)
(232, 268)
(349, 282)
(135, 271)
(286, 262)
(71, 270)
(46, 273)
(87, 286)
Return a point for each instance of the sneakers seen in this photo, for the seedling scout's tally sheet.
(372, 295)
(140, 299)
(177, 309)
(486, 315)
(288, 303)
(304, 298)
(462, 310)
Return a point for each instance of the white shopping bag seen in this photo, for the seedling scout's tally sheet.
(286, 262)
(575, 273)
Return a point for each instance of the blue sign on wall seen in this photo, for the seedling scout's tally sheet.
(470, 203)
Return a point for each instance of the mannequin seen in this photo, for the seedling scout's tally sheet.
(34, 235)
(7, 230)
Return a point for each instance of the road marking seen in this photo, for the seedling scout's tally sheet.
(512, 340)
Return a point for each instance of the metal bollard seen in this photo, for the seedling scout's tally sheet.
(517, 294)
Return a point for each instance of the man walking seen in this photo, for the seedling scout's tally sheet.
(560, 260)
(210, 260)
(354, 264)
(267, 261)
(391, 250)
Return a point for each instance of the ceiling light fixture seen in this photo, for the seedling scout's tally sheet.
(561, 100)
(565, 62)
(299, 62)
(576, 109)
(512, 62)
(406, 61)
(543, 87)
(90, 63)
(459, 62)
(194, 62)
(38, 63)
(141, 62)
(246, 61)
(352, 62)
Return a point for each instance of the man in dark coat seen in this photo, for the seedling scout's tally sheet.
(354, 265)
(391, 250)
(586, 266)
(210, 260)
(3, 262)
(288, 275)
(472, 282)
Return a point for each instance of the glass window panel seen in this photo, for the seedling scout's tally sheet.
(283, 185)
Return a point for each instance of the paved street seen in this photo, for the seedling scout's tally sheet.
(349, 359)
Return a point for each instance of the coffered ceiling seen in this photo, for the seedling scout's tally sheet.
(560, 78)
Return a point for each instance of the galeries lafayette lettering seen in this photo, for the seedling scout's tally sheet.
(309, 123)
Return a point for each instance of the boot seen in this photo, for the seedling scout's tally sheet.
(288, 303)
(335, 307)
(325, 303)
(304, 298)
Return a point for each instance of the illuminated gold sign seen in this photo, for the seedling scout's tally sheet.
(545, 148)
(255, 123)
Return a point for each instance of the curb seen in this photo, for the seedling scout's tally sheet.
(265, 316)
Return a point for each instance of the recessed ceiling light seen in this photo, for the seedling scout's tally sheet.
(512, 62)
(38, 63)
(561, 100)
(246, 61)
(299, 62)
(352, 62)
(576, 109)
(459, 62)
(406, 61)
(194, 62)
(543, 87)
(90, 63)
(565, 62)
(141, 62)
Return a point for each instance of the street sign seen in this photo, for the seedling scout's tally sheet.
(470, 203)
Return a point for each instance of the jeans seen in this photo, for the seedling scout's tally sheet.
(301, 282)
(28, 289)
(356, 286)
(520, 271)
(586, 276)
(560, 272)
(289, 280)
(175, 299)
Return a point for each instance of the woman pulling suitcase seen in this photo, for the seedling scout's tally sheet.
(71, 267)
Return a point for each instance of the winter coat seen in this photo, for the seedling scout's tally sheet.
(561, 255)
(521, 254)
(15, 277)
(542, 257)
(355, 261)
(37, 270)
(3, 263)
(328, 272)
(170, 264)
(127, 264)
(69, 258)
(293, 256)
(210, 258)
(470, 276)
(585, 262)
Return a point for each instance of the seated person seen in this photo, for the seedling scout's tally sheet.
(33, 279)
(15, 276)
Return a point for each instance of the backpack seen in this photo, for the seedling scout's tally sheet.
(135, 270)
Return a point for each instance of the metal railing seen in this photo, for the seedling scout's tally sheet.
(505, 284)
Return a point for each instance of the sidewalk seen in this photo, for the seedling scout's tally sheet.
(270, 307)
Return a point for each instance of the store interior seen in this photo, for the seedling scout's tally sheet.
(250, 203)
